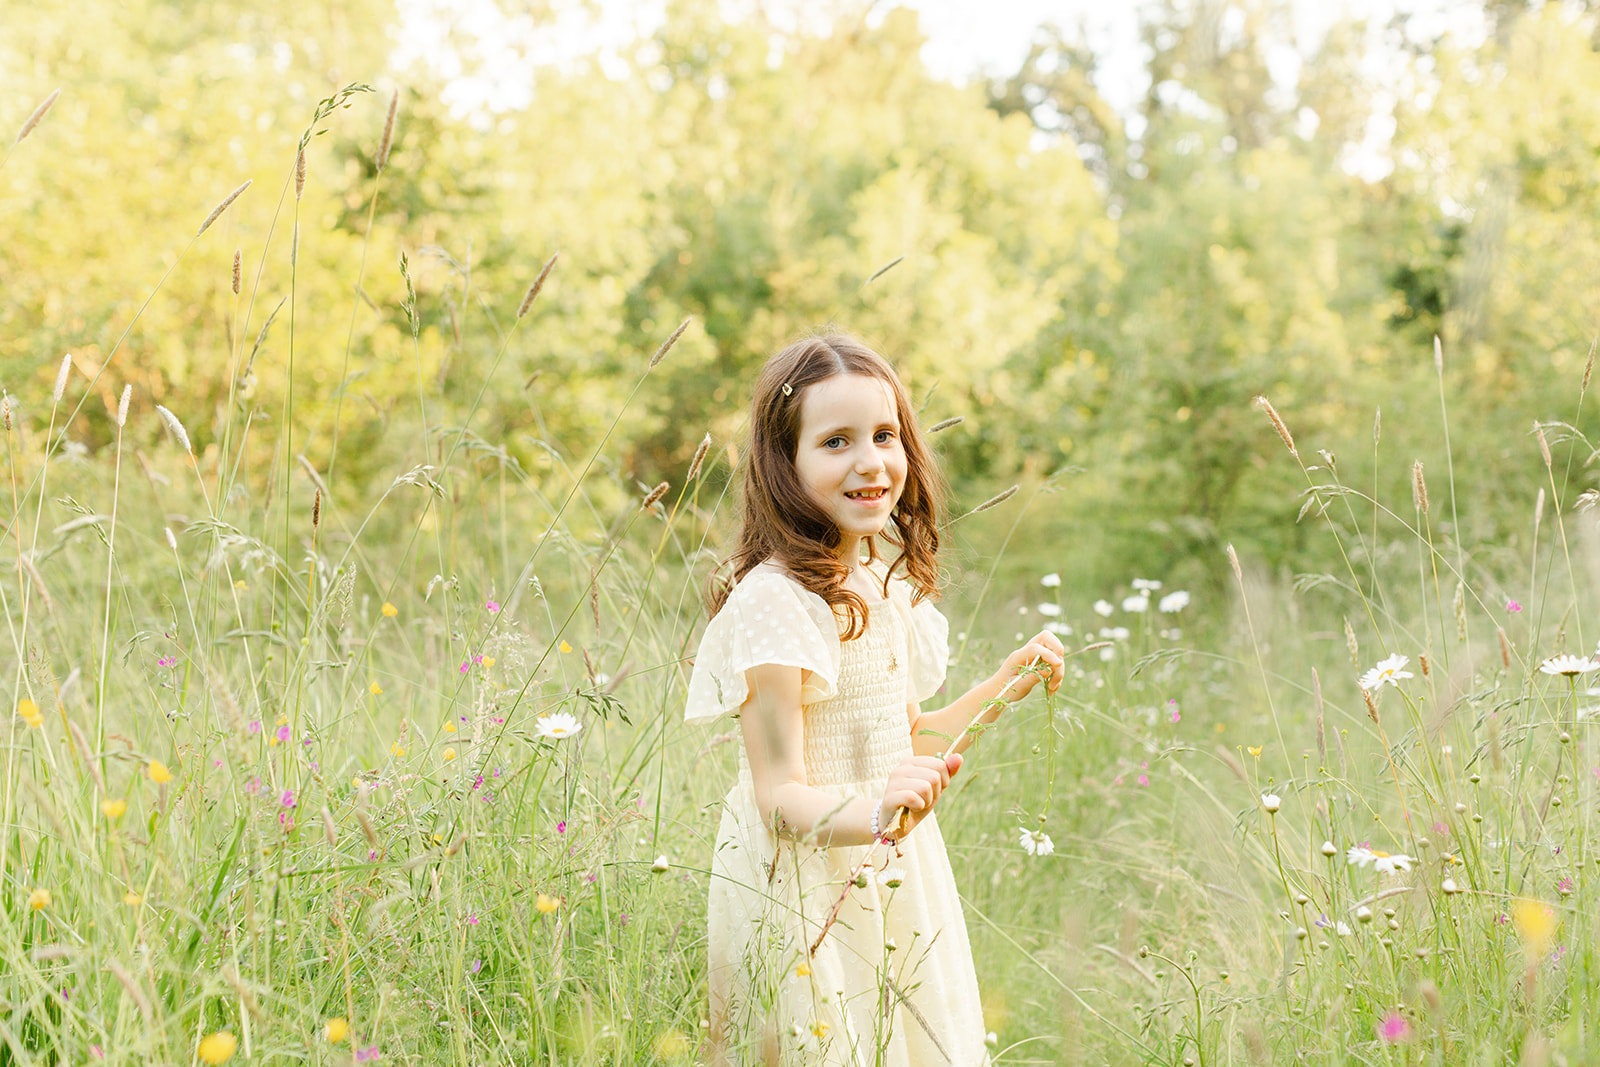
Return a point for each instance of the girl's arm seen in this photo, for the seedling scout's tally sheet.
(774, 741)
(932, 732)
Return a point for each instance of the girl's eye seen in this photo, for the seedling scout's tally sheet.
(885, 436)
(833, 442)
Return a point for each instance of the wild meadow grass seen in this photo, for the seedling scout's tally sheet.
(300, 770)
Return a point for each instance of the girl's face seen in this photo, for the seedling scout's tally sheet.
(849, 455)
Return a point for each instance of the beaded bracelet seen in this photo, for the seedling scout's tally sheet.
(877, 815)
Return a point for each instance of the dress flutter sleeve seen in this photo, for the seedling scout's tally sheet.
(928, 637)
(769, 618)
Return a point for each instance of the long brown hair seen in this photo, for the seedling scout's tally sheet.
(783, 523)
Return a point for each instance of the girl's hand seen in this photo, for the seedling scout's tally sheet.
(914, 787)
(1047, 649)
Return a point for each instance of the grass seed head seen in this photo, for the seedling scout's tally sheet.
(1544, 446)
(238, 270)
(652, 497)
(1372, 705)
(1377, 427)
(538, 284)
(1438, 355)
(666, 346)
(1233, 561)
(61, 377)
(1350, 643)
(300, 174)
(220, 208)
(1419, 488)
(996, 500)
(1505, 647)
(1277, 424)
(699, 457)
(122, 406)
(386, 142)
(5, 410)
(947, 424)
(38, 113)
(176, 427)
(316, 510)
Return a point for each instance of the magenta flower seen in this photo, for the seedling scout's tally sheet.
(493, 607)
(472, 920)
(1177, 716)
(283, 732)
(167, 661)
(363, 1055)
(287, 800)
(1144, 780)
(253, 786)
(466, 665)
(477, 965)
(1513, 607)
(255, 726)
(561, 827)
(1393, 1027)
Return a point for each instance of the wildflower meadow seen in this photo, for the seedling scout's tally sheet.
(353, 733)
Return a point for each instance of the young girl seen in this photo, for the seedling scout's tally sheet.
(835, 934)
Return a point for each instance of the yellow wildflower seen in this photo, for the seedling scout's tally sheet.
(565, 647)
(218, 1047)
(671, 1045)
(39, 899)
(803, 970)
(389, 610)
(28, 712)
(397, 750)
(240, 585)
(335, 1029)
(159, 773)
(488, 661)
(1536, 922)
(449, 754)
(375, 689)
(819, 1028)
(449, 727)
(113, 808)
(547, 904)
(132, 899)
(1254, 750)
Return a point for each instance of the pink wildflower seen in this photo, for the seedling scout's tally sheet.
(561, 827)
(1513, 607)
(287, 800)
(255, 726)
(363, 1055)
(1393, 1027)
(493, 607)
(283, 732)
(1144, 780)
(472, 920)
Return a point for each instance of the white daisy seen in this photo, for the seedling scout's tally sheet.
(557, 726)
(1145, 585)
(1104, 608)
(1115, 633)
(1272, 802)
(1173, 602)
(1035, 842)
(1060, 629)
(1050, 581)
(1049, 609)
(1387, 672)
(1137, 603)
(1107, 654)
(1385, 864)
(1569, 665)
(891, 877)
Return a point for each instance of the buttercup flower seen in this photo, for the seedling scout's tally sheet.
(1568, 665)
(39, 899)
(1387, 672)
(547, 904)
(218, 1047)
(1035, 842)
(113, 809)
(28, 712)
(335, 1030)
(158, 772)
(557, 726)
(389, 610)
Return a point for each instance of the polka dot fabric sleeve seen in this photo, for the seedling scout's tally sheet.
(768, 618)
(929, 643)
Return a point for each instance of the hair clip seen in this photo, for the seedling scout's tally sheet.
(788, 390)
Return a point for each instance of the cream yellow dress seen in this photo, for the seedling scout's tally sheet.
(891, 983)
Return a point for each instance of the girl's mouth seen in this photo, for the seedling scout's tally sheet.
(867, 496)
